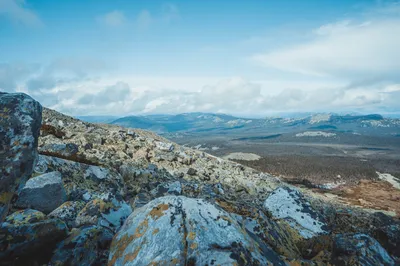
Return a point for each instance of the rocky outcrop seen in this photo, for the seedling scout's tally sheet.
(114, 147)
(84, 246)
(44, 193)
(20, 121)
(175, 230)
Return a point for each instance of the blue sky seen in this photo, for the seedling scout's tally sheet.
(248, 57)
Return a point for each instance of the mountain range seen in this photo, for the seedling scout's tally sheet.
(220, 123)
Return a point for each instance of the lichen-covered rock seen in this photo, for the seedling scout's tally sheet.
(289, 204)
(20, 121)
(68, 212)
(29, 239)
(110, 146)
(27, 216)
(44, 193)
(82, 181)
(107, 212)
(60, 150)
(163, 146)
(84, 246)
(173, 188)
(389, 237)
(175, 230)
(359, 249)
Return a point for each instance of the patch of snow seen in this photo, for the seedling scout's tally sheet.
(242, 156)
(319, 118)
(332, 185)
(315, 134)
(389, 178)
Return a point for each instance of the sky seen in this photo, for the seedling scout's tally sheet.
(246, 58)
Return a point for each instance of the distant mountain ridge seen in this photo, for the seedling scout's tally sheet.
(204, 122)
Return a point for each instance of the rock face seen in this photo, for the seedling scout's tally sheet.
(175, 230)
(289, 204)
(44, 193)
(26, 233)
(20, 121)
(359, 249)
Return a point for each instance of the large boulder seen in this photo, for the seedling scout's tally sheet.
(359, 249)
(20, 121)
(289, 204)
(44, 193)
(176, 230)
(84, 246)
(29, 236)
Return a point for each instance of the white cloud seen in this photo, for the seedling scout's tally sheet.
(144, 19)
(170, 12)
(114, 18)
(17, 11)
(68, 90)
(343, 49)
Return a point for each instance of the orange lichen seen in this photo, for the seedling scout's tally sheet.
(131, 256)
(118, 247)
(157, 211)
(174, 261)
(225, 218)
(192, 235)
(156, 231)
(193, 245)
(141, 229)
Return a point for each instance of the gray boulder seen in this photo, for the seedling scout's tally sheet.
(44, 193)
(359, 249)
(176, 230)
(20, 121)
(290, 205)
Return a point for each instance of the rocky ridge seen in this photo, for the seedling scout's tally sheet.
(122, 196)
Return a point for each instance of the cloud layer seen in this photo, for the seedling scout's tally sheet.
(342, 49)
(64, 86)
(17, 11)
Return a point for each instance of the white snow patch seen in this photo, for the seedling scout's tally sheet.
(332, 185)
(320, 118)
(315, 134)
(389, 178)
(242, 156)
